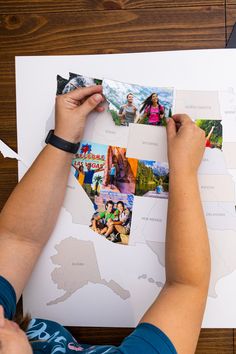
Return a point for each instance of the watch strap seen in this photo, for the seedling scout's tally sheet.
(60, 143)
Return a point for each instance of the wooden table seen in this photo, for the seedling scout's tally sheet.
(47, 27)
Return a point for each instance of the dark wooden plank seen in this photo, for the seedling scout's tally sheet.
(215, 341)
(8, 124)
(234, 344)
(46, 6)
(7, 78)
(112, 31)
(8, 178)
(102, 336)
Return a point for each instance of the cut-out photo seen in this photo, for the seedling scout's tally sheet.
(138, 104)
(213, 131)
(74, 81)
(89, 164)
(152, 179)
(112, 219)
(119, 171)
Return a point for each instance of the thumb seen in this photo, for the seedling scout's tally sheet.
(90, 104)
(171, 129)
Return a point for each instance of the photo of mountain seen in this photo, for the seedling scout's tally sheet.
(117, 94)
(152, 179)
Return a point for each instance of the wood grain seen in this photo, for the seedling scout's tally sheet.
(46, 6)
(102, 336)
(112, 31)
(215, 341)
(48, 27)
(234, 343)
(8, 178)
(230, 2)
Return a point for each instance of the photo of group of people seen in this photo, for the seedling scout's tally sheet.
(89, 164)
(152, 179)
(213, 130)
(111, 180)
(138, 104)
(112, 218)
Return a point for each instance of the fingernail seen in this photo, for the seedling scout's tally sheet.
(98, 98)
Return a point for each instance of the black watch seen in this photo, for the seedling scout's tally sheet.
(61, 143)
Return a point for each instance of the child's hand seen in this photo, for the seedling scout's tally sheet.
(72, 110)
(186, 144)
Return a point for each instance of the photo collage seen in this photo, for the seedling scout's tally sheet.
(109, 177)
(111, 180)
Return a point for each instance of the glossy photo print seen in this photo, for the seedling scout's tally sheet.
(213, 131)
(89, 164)
(112, 219)
(152, 179)
(138, 104)
(119, 171)
(74, 81)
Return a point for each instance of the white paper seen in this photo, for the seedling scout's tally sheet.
(6, 151)
(198, 70)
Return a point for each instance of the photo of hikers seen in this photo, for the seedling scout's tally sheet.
(138, 104)
(89, 165)
(119, 171)
(74, 81)
(213, 130)
(112, 219)
(152, 179)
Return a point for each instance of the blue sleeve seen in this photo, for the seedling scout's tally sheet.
(147, 338)
(7, 298)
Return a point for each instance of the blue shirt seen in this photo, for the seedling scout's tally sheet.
(112, 171)
(48, 337)
(88, 176)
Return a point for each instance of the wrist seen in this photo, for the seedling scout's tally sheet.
(74, 139)
(58, 153)
(60, 143)
(182, 173)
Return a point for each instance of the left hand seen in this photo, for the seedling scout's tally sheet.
(72, 109)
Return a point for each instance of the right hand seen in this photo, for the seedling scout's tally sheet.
(186, 144)
(72, 110)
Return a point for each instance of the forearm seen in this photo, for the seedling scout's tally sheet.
(187, 246)
(32, 209)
